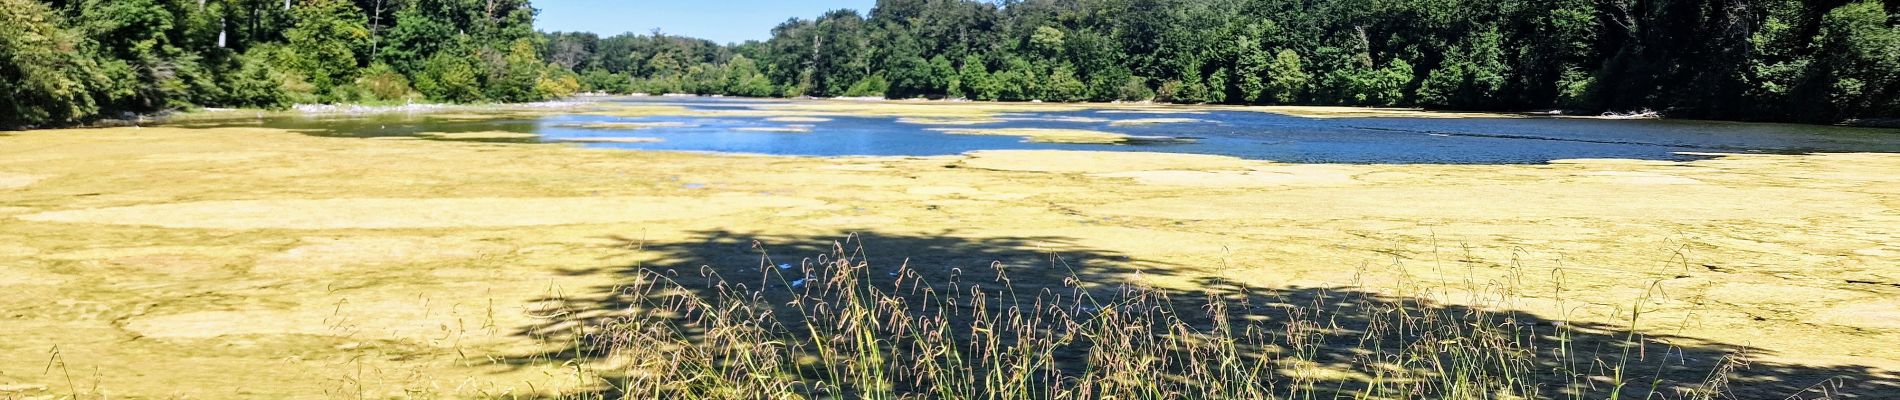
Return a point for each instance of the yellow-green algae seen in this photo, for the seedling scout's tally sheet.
(1051, 135)
(258, 263)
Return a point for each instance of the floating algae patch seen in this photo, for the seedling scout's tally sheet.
(639, 111)
(1254, 177)
(612, 139)
(627, 125)
(799, 119)
(1367, 112)
(777, 129)
(14, 250)
(948, 121)
(23, 274)
(1155, 121)
(1097, 161)
(10, 181)
(1071, 136)
(404, 213)
(323, 255)
(1163, 112)
(1059, 118)
(918, 109)
(373, 317)
(1641, 178)
(1869, 314)
(480, 135)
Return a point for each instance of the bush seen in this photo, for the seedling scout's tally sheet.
(870, 86)
(382, 83)
(599, 80)
(1134, 88)
(557, 82)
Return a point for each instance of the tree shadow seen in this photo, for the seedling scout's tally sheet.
(1326, 342)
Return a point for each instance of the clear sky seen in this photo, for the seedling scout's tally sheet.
(723, 21)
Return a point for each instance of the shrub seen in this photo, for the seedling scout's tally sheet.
(870, 86)
(599, 80)
(556, 82)
(382, 83)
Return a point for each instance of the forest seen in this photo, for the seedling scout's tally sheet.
(1819, 61)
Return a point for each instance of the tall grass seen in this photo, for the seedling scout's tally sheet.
(838, 327)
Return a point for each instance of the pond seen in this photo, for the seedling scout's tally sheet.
(742, 126)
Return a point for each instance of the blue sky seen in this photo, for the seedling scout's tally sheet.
(726, 21)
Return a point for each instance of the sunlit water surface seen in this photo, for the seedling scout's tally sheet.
(1245, 134)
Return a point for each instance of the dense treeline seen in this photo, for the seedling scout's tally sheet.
(70, 61)
(67, 61)
(1790, 60)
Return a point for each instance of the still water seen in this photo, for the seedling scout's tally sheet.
(1245, 134)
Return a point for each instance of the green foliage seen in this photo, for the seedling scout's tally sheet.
(870, 86)
(1188, 90)
(974, 80)
(745, 79)
(1251, 70)
(43, 79)
(1859, 61)
(256, 83)
(380, 82)
(513, 74)
(1287, 79)
(1064, 86)
(1472, 76)
(1767, 59)
(416, 37)
(324, 43)
(1135, 88)
(599, 80)
(1017, 81)
(449, 77)
(556, 82)
(1576, 90)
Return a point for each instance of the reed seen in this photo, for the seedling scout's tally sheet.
(839, 327)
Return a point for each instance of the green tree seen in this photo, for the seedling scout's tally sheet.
(1063, 86)
(1250, 70)
(1018, 80)
(1858, 61)
(44, 79)
(450, 77)
(324, 43)
(514, 75)
(1472, 76)
(405, 45)
(746, 79)
(975, 81)
(943, 76)
(1287, 80)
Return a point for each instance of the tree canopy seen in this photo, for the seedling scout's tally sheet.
(1784, 60)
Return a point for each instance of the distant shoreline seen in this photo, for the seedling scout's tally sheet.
(587, 99)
